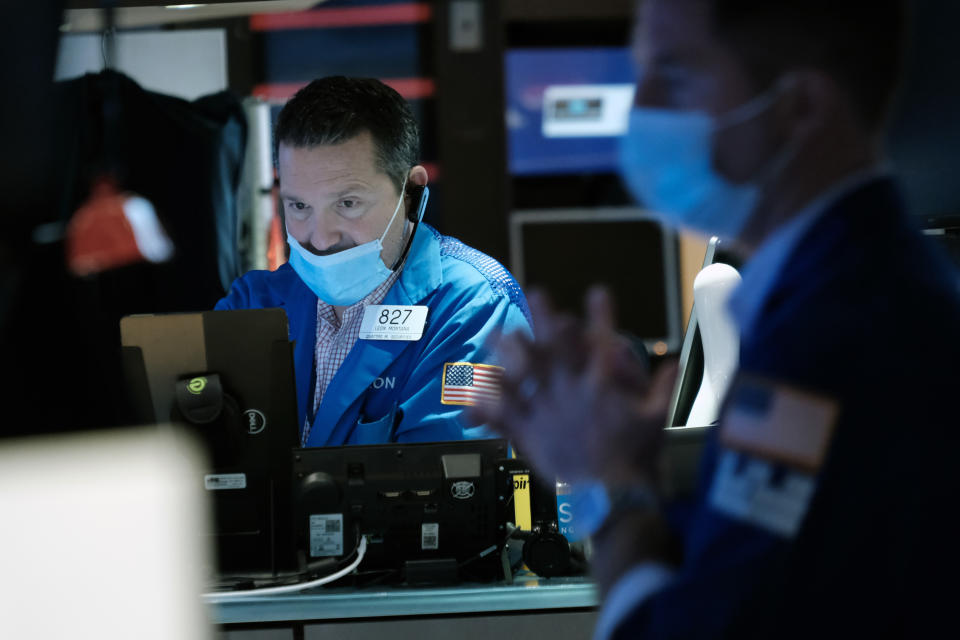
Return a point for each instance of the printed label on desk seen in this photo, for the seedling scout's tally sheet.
(523, 518)
(326, 534)
(429, 536)
(219, 481)
(393, 322)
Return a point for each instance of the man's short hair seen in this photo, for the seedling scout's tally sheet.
(860, 44)
(335, 109)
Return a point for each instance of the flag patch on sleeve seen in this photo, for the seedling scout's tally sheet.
(775, 440)
(779, 423)
(466, 383)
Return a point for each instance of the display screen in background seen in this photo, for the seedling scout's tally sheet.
(566, 108)
(566, 258)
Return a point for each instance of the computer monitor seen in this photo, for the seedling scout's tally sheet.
(228, 376)
(431, 512)
(565, 251)
(925, 114)
(947, 238)
(567, 107)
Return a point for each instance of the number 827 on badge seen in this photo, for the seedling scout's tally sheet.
(393, 322)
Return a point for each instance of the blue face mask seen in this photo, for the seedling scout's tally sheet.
(665, 161)
(346, 277)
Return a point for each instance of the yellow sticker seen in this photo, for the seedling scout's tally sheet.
(521, 502)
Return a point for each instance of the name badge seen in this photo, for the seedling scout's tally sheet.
(393, 322)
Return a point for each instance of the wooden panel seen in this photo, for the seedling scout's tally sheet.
(693, 248)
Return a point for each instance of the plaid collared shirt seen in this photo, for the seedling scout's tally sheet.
(336, 338)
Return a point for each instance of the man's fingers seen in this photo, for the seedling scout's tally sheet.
(559, 337)
(601, 311)
(665, 378)
(513, 354)
(486, 412)
(657, 400)
(613, 359)
(629, 368)
(502, 416)
(541, 309)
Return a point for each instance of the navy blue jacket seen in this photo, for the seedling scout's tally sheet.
(866, 313)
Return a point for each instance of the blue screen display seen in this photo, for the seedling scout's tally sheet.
(561, 116)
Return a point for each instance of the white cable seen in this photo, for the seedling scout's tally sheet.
(300, 586)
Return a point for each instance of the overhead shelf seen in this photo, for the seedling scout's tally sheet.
(409, 88)
(325, 18)
(559, 10)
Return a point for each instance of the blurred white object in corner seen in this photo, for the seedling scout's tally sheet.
(102, 536)
(721, 341)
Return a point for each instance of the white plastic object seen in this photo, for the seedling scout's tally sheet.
(148, 233)
(718, 334)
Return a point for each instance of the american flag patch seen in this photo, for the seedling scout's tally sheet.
(470, 384)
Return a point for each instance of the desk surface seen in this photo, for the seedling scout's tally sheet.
(344, 602)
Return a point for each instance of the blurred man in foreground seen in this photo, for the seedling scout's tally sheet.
(824, 495)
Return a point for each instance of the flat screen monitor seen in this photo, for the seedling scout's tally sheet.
(431, 512)
(565, 251)
(926, 113)
(228, 377)
(947, 238)
(566, 108)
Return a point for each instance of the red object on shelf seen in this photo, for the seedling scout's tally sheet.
(99, 237)
(409, 88)
(113, 229)
(367, 16)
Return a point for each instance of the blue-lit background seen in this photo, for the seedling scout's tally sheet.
(528, 73)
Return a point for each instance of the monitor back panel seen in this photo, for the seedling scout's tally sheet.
(248, 446)
(413, 502)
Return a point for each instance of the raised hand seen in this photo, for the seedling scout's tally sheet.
(577, 401)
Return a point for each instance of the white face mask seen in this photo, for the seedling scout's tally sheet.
(346, 277)
(666, 162)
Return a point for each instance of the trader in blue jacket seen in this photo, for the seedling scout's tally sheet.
(827, 493)
(390, 318)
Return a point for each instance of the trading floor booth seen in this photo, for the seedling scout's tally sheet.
(411, 539)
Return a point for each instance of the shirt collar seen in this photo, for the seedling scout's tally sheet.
(761, 272)
(326, 313)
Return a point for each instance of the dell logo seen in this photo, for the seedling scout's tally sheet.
(256, 421)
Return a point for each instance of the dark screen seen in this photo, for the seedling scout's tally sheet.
(949, 242)
(566, 258)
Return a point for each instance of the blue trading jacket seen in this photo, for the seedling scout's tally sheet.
(390, 391)
(866, 313)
